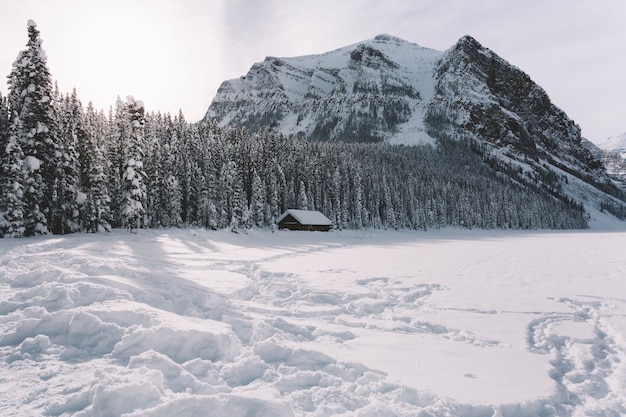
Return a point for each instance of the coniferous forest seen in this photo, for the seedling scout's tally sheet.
(67, 168)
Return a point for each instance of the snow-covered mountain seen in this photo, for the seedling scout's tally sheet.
(388, 89)
(373, 90)
(393, 90)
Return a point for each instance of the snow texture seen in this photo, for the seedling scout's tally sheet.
(352, 323)
(32, 163)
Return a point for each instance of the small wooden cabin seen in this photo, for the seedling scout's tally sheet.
(304, 220)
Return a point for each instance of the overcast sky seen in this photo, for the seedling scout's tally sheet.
(173, 54)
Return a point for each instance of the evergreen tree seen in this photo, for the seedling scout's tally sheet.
(155, 213)
(118, 137)
(258, 204)
(134, 196)
(335, 187)
(358, 202)
(12, 187)
(303, 200)
(67, 197)
(4, 127)
(34, 122)
(96, 208)
(4, 140)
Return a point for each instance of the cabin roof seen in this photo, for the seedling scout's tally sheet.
(306, 217)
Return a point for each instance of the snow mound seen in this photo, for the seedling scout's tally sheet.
(179, 345)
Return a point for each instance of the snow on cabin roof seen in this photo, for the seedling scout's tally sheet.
(307, 217)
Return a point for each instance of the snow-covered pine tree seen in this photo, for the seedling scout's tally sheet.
(153, 162)
(4, 140)
(389, 216)
(335, 190)
(94, 181)
(163, 188)
(173, 192)
(117, 138)
(67, 197)
(194, 190)
(4, 126)
(272, 208)
(258, 203)
(12, 187)
(210, 157)
(134, 191)
(4, 137)
(239, 207)
(33, 120)
(303, 200)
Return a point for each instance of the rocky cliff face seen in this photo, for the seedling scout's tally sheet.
(480, 96)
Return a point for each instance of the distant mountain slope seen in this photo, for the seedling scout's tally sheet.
(387, 89)
(612, 153)
(614, 143)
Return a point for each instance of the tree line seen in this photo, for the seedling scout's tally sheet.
(65, 168)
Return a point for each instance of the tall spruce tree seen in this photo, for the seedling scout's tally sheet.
(4, 140)
(4, 127)
(94, 181)
(12, 187)
(33, 122)
(116, 152)
(134, 190)
(67, 196)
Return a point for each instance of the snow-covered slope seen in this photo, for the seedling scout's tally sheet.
(614, 143)
(192, 323)
(377, 89)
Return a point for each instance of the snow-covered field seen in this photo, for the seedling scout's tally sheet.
(193, 323)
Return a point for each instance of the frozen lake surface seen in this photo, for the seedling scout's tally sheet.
(353, 323)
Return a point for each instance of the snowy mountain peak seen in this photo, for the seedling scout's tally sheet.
(389, 38)
(468, 41)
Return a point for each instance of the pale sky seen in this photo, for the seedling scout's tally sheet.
(174, 54)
